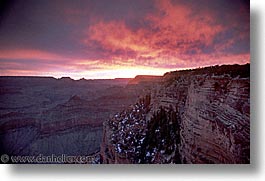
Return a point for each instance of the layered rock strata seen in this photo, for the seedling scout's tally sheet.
(214, 117)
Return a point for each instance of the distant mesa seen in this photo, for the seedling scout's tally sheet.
(66, 79)
(145, 78)
(123, 79)
(82, 79)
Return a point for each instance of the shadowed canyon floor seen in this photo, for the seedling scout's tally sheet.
(44, 115)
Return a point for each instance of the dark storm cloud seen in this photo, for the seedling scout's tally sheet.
(39, 25)
(233, 16)
(57, 26)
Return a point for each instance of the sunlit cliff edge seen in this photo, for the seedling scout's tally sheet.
(189, 116)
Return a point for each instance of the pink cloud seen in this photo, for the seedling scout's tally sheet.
(29, 54)
(174, 37)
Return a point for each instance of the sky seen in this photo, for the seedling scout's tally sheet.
(97, 39)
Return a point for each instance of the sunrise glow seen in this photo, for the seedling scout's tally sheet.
(110, 39)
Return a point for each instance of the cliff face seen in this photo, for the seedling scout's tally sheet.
(215, 123)
(213, 119)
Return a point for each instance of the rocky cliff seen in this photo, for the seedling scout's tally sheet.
(191, 116)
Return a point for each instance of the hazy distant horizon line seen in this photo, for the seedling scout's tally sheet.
(58, 78)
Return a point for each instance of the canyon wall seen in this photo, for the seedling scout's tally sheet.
(214, 117)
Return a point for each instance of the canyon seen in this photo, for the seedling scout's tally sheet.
(207, 117)
(44, 115)
(189, 116)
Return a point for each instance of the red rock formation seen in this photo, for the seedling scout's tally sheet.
(214, 115)
(145, 78)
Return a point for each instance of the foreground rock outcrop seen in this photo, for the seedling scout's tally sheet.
(204, 111)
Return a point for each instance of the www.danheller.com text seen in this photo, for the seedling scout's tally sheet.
(46, 159)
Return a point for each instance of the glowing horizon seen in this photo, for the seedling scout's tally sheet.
(121, 39)
(116, 74)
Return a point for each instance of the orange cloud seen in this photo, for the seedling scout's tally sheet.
(179, 23)
(115, 35)
(173, 36)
